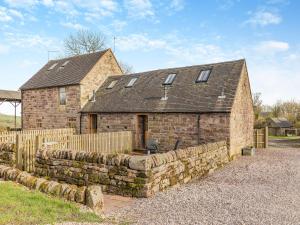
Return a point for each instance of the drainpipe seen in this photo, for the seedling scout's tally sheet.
(198, 129)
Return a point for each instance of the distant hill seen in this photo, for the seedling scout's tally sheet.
(9, 121)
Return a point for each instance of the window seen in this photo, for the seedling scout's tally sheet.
(131, 82)
(65, 63)
(39, 123)
(112, 84)
(52, 67)
(170, 78)
(72, 122)
(62, 96)
(203, 76)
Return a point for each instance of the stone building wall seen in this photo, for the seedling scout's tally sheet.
(131, 175)
(242, 117)
(105, 67)
(167, 128)
(41, 108)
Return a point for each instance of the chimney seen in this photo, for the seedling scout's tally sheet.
(94, 96)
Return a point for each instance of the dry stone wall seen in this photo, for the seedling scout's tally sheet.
(91, 196)
(130, 175)
(7, 154)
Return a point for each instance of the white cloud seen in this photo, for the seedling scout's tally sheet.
(270, 47)
(75, 26)
(26, 63)
(177, 5)
(139, 8)
(30, 40)
(48, 2)
(263, 18)
(139, 42)
(21, 3)
(118, 25)
(8, 15)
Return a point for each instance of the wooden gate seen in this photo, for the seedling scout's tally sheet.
(260, 138)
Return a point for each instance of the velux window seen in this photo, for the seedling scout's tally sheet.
(203, 76)
(53, 66)
(65, 63)
(62, 96)
(170, 78)
(131, 82)
(112, 84)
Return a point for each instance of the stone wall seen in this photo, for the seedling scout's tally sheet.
(91, 196)
(242, 117)
(131, 175)
(41, 108)
(167, 128)
(7, 154)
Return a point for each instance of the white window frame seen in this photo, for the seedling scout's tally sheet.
(170, 79)
(203, 76)
(112, 84)
(62, 95)
(132, 82)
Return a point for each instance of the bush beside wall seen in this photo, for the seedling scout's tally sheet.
(129, 175)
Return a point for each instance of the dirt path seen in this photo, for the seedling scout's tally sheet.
(263, 189)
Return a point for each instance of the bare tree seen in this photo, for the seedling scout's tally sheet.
(126, 68)
(84, 41)
(257, 104)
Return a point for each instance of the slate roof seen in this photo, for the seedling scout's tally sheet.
(279, 123)
(72, 73)
(185, 95)
(10, 95)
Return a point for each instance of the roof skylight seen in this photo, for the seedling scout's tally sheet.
(170, 78)
(65, 63)
(131, 82)
(203, 76)
(112, 84)
(53, 66)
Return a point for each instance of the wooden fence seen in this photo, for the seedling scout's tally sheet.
(28, 144)
(260, 138)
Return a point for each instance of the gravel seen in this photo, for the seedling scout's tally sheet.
(263, 189)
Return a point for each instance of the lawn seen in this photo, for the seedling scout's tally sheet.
(20, 206)
(284, 137)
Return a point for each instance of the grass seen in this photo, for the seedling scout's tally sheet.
(9, 121)
(284, 137)
(20, 206)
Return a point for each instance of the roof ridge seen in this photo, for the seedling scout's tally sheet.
(174, 68)
(81, 55)
(182, 67)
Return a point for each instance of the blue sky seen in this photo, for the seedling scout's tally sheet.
(153, 34)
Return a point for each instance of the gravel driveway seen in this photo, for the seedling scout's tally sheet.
(264, 189)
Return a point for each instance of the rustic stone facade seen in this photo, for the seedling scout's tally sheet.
(41, 108)
(242, 117)
(138, 176)
(167, 128)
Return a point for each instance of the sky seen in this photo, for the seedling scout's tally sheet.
(153, 34)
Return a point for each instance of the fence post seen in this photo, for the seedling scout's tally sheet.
(266, 137)
(18, 153)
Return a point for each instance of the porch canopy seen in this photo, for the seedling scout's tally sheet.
(13, 97)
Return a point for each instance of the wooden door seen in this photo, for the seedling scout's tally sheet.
(142, 131)
(93, 123)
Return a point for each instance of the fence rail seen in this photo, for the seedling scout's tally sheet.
(260, 138)
(27, 143)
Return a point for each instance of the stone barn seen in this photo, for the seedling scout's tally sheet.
(178, 106)
(54, 96)
(279, 126)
